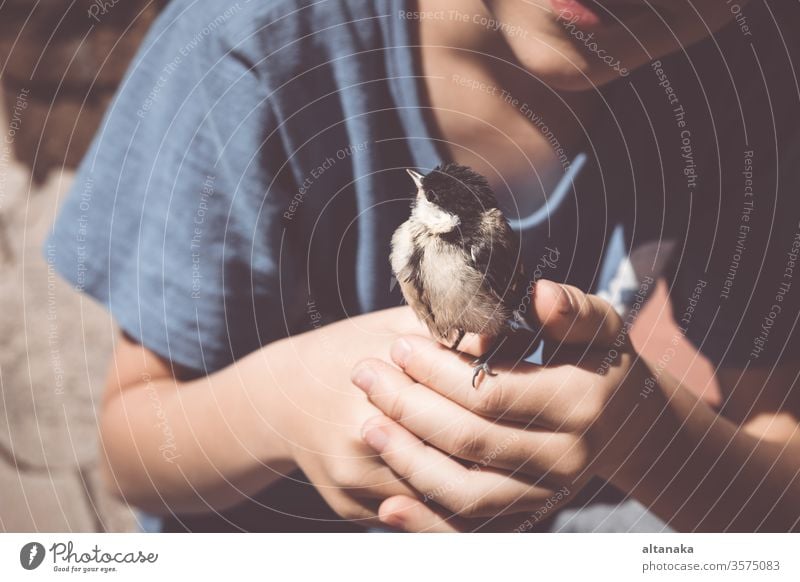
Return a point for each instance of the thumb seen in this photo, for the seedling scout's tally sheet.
(566, 315)
(571, 316)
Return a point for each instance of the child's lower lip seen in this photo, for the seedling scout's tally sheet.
(577, 12)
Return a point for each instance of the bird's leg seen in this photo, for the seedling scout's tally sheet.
(481, 364)
(461, 334)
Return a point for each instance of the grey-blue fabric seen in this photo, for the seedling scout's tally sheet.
(248, 176)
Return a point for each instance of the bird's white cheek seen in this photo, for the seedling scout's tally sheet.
(434, 218)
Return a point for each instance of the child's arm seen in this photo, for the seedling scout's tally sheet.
(595, 410)
(163, 436)
(194, 445)
(701, 471)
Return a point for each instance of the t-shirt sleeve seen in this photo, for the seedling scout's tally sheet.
(173, 221)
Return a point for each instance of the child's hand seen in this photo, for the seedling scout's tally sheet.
(320, 413)
(532, 436)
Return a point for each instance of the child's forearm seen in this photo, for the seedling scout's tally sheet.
(197, 445)
(700, 471)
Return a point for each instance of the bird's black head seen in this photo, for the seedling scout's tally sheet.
(458, 190)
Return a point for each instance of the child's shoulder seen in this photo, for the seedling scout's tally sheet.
(277, 33)
(275, 18)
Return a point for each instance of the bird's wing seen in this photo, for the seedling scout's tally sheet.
(495, 254)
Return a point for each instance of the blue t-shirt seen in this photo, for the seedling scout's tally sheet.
(248, 177)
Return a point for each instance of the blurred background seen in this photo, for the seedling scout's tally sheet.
(59, 68)
(60, 63)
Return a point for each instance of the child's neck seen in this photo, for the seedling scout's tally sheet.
(491, 113)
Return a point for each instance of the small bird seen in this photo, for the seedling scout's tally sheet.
(458, 264)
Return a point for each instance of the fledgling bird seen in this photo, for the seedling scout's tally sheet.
(457, 261)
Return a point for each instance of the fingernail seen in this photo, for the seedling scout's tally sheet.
(400, 352)
(392, 520)
(376, 437)
(563, 299)
(570, 304)
(364, 378)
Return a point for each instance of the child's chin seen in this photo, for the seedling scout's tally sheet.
(580, 74)
(581, 80)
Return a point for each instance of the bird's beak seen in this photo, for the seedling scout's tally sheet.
(416, 176)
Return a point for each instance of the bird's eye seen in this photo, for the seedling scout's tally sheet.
(431, 196)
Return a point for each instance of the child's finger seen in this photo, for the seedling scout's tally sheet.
(569, 315)
(469, 492)
(411, 515)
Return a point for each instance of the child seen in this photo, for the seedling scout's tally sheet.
(235, 212)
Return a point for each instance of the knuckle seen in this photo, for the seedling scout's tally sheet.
(395, 405)
(405, 461)
(345, 504)
(489, 399)
(351, 511)
(469, 507)
(425, 370)
(343, 477)
(468, 443)
(568, 466)
(364, 362)
(376, 364)
(581, 419)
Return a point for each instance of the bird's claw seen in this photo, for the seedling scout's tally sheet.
(480, 366)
